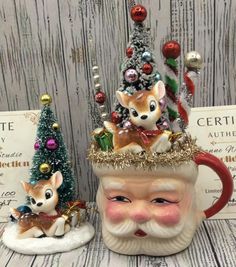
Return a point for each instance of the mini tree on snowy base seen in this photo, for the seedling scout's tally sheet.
(51, 211)
(51, 154)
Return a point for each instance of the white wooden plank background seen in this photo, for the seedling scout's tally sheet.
(44, 46)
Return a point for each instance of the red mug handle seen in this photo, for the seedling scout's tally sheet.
(207, 159)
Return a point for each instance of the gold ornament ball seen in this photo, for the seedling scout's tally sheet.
(44, 168)
(193, 60)
(55, 126)
(46, 99)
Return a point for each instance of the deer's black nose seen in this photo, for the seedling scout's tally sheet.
(144, 117)
(39, 204)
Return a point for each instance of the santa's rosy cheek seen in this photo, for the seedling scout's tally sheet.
(115, 212)
(168, 215)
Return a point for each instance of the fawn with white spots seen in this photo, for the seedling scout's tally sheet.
(44, 219)
(145, 112)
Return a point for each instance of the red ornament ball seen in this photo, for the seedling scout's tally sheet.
(138, 13)
(171, 49)
(100, 97)
(147, 68)
(51, 144)
(129, 52)
(115, 118)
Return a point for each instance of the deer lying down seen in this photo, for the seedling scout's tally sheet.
(44, 219)
(145, 111)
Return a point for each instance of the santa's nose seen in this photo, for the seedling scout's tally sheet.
(140, 216)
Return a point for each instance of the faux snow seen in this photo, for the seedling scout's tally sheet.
(75, 238)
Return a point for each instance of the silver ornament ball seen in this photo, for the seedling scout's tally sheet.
(193, 60)
(95, 69)
(96, 77)
(158, 77)
(104, 116)
(97, 86)
(102, 108)
(147, 56)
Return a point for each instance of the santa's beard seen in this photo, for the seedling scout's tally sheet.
(159, 241)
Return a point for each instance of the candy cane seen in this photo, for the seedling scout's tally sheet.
(171, 50)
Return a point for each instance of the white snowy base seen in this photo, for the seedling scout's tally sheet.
(75, 238)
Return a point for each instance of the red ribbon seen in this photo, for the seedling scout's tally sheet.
(144, 134)
(47, 217)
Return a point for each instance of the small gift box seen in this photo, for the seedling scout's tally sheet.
(75, 212)
(103, 139)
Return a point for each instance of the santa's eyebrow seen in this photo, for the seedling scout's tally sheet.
(163, 187)
(112, 185)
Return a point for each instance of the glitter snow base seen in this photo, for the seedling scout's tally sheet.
(75, 238)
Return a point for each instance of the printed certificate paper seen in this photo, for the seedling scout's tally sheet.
(17, 138)
(215, 130)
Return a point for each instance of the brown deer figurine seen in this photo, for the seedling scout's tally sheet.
(44, 219)
(145, 111)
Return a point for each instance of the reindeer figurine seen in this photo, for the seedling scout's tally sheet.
(145, 111)
(44, 219)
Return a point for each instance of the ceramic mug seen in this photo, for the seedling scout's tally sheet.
(153, 211)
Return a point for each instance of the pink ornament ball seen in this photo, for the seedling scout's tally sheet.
(127, 124)
(51, 144)
(131, 75)
(165, 125)
(163, 104)
(36, 145)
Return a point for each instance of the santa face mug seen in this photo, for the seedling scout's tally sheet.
(146, 163)
(153, 211)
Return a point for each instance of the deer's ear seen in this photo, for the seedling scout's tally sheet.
(26, 186)
(159, 90)
(56, 179)
(123, 99)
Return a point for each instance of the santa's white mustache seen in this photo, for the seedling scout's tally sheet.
(152, 228)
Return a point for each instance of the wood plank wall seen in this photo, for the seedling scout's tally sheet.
(44, 47)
